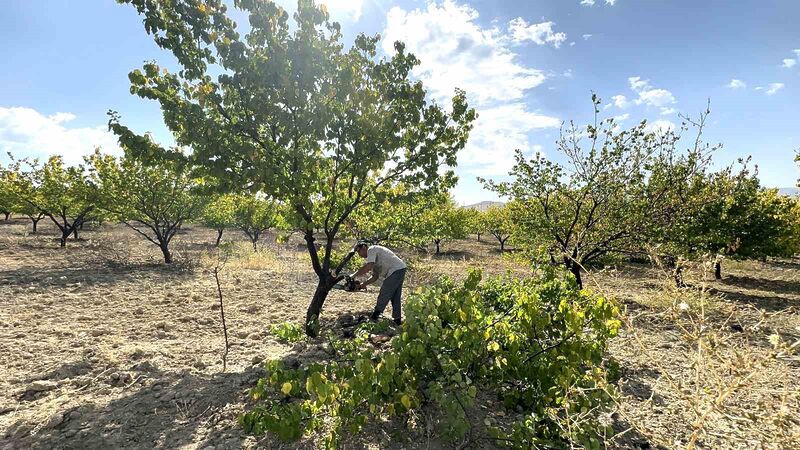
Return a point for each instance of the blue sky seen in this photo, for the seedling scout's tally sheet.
(527, 66)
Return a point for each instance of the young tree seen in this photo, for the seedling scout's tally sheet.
(219, 214)
(614, 189)
(254, 215)
(499, 224)
(63, 194)
(476, 222)
(441, 220)
(152, 198)
(290, 112)
(7, 200)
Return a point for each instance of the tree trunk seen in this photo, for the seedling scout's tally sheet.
(35, 222)
(718, 270)
(315, 308)
(479, 237)
(64, 236)
(81, 226)
(678, 275)
(575, 269)
(219, 236)
(75, 232)
(437, 246)
(502, 245)
(165, 251)
(6, 214)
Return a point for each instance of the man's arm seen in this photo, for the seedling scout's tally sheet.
(364, 270)
(373, 279)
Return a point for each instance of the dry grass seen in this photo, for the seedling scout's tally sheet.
(130, 350)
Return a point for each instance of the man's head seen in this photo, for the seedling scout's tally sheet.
(361, 248)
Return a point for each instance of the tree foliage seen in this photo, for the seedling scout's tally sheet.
(295, 115)
(476, 222)
(537, 345)
(440, 220)
(254, 215)
(615, 189)
(64, 194)
(153, 198)
(498, 222)
(219, 214)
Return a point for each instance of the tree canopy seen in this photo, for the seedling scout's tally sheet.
(290, 112)
(153, 198)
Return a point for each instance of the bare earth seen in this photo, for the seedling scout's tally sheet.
(104, 347)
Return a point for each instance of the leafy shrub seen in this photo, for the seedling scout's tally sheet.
(538, 345)
(288, 332)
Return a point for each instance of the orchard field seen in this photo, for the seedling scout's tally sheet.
(634, 284)
(107, 347)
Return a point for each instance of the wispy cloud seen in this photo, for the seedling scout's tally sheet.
(456, 51)
(789, 63)
(592, 2)
(774, 88)
(538, 33)
(26, 132)
(736, 84)
(650, 96)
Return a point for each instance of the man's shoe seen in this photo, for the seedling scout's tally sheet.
(398, 322)
(375, 317)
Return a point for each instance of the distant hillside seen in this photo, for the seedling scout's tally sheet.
(483, 206)
(790, 191)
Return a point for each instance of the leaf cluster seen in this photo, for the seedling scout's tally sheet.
(538, 345)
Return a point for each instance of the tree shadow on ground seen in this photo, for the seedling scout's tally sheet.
(769, 303)
(763, 284)
(92, 274)
(454, 255)
(160, 410)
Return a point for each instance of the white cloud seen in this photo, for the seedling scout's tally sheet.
(568, 74)
(592, 2)
(650, 96)
(737, 84)
(26, 132)
(498, 132)
(668, 111)
(455, 51)
(621, 117)
(620, 101)
(586, 37)
(774, 88)
(538, 33)
(789, 63)
(659, 126)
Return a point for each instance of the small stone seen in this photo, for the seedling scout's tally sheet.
(70, 433)
(98, 332)
(55, 421)
(242, 334)
(74, 415)
(42, 385)
(254, 336)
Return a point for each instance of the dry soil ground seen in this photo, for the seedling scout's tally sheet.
(104, 347)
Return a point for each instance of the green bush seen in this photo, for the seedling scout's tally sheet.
(537, 345)
(288, 332)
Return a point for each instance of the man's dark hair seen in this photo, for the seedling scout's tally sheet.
(361, 243)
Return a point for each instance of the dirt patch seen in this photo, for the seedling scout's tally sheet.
(105, 347)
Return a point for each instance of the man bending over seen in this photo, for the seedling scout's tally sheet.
(383, 263)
